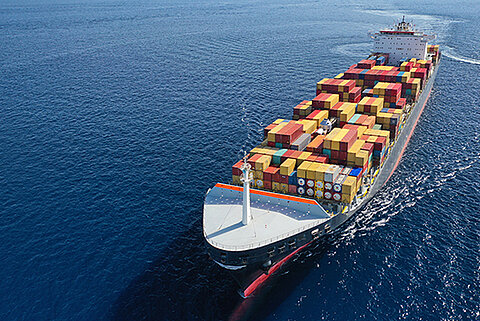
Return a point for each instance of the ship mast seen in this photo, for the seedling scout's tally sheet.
(246, 179)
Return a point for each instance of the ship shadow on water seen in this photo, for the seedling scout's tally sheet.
(184, 284)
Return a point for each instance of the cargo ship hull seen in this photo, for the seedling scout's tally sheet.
(252, 267)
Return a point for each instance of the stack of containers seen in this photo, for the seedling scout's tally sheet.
(288, 176)
(380, 147)
(359, 128)
(366, 64)
(337, 143)
(283, 134)
(325, 101)
(370, 105)
(390, 92)
(420, 73)
(271, 178)
(288, 134)
(434, 49)
(334, 86)
(362, 120)
(406, 66)
(353, 150)
(349, 189)
(357, 174)
(353, 96)
(302, 110)
(411, 89)
(316, 145)
(390, 122)
(271, 126)
(331, 174)
(302, 178)
(318, 116)
(342, 108)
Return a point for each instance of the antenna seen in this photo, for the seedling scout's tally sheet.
(246, 179)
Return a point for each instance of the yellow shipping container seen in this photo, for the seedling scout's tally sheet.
(348, 111)
(276, 187)
(379, 133)
(284, 188)
(348, 197)
(320, 172)
(384, 118)
(327, 144)
(331, 101)
(278, 121)
(323, 114)
(303, 156)
(302, 169)
(258, 174)
(288, 166)
(349, 185)
(339, 76)
(309, 126)
(236, 180)
(311, 170)
(361, 130)
(256, 150)
(273, 131)
(319, 84)
(361, 158)
(269, 151)
(336, 140)
(352, 152)
(379, 88)
(263, 162)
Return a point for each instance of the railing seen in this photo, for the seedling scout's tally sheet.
(264, 242)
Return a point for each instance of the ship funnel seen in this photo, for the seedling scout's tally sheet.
(246, 179)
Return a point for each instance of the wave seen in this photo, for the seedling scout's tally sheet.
(460, 58)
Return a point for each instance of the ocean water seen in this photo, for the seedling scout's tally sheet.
(117, 116)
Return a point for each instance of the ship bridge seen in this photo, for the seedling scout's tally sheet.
(274, 217)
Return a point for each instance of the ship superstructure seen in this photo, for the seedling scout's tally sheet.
(314, 172)
(402, 41)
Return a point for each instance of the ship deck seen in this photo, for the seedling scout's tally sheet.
(275, 217)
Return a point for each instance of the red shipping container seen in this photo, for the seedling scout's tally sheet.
(342, 155)
(380, 143)
(296, 154)
(368, 147)
(269, 172)
(312, 158)
(347, 141)
(277, 177)
(236, 168)
(334, 154)
(364, 137)
(267, 129)
(283, 179)
(322, 159)
(267, 184)
(286, 155)
(292, 189)
(253, 159)
(271, 144)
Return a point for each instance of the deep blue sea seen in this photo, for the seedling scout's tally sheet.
(117, 116)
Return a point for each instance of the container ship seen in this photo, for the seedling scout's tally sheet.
(314, 172)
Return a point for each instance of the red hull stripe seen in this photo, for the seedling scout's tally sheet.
(263, 193)
(262, 278)
(409, 136)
